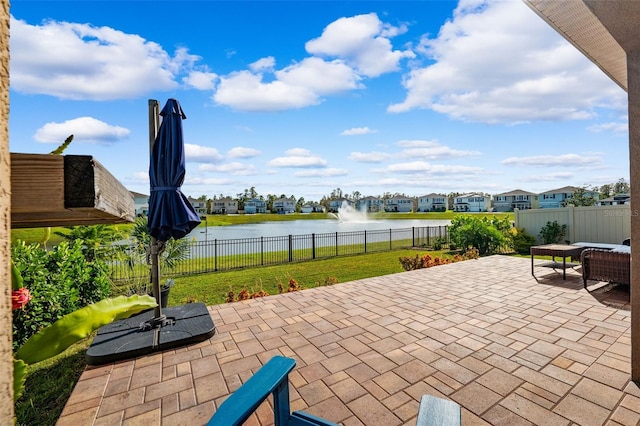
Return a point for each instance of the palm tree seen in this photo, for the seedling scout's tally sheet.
(175, 251)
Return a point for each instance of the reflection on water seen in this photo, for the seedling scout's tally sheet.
(300, 227)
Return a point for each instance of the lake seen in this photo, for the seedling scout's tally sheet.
(300, 227)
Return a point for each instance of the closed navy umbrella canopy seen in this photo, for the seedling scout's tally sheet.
(170, 212)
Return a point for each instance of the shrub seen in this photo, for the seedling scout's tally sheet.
(522, 241)
(486, 235)
(328, 281)
(439, 242)
(60, 282)
(552, 232)
(427, 261)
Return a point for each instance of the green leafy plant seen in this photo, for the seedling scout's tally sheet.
(522, 241)
(96, 239)
(439, 243)
(486, 235)
(136, 257)
(54, 339)
(552, 232)
(59, 281)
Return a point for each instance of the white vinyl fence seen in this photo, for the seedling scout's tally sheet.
(595, 224)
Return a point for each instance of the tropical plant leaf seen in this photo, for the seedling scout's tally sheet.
(19, 377)
(60, 149)
(79, 324)
(17, 282)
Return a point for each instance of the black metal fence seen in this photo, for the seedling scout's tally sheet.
(222, 255)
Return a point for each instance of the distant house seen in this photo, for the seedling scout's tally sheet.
(313, 208)
(140, 203)
(558, 197)
(616, 200)
(370, 204)
(516, 199)
(284, 205)
(199, 206)
(471, 203)
(224, 206)
(336, 203)
(432, 203)
(255, 205)
(398, 204)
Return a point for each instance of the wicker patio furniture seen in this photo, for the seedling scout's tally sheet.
(613, 266)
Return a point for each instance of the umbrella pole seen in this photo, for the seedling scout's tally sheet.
(154, 124)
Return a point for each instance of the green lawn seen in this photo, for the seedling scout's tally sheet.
(213, 288)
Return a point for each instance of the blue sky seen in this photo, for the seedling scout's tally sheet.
(302, 97)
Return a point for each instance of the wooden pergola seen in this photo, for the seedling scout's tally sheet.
(607, 32)
(56, 190)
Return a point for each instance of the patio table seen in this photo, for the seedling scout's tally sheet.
(556, 250)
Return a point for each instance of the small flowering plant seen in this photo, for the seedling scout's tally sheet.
(20, 295)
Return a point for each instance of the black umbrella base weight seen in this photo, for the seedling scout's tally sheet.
(132, 337)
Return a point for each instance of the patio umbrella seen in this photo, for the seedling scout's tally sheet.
(171, 215)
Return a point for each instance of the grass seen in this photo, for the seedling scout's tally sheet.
(49, 383)
(213, 288)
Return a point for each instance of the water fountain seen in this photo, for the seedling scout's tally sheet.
(347, 213)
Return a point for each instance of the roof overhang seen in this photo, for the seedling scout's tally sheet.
(576, 21)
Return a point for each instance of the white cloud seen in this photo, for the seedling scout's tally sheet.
(138, 178)
(369, 157)
(552, 160)
(609, 127)
(201, 154)
(83, 129)
(497, 62)
(363, 42)
(298, 157)
(248, 92)
(321, 77)
(430, 150)
(201, 80)
(243, 152)
(356, 47)
(296, 86)
(83, 62)
(263, 64)
(302, 152)
(433, 169)
(328, 172)
(357, 131)
(234, 168)
(206, 181)
(558, 176)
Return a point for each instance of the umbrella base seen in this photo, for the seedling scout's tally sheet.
(132, 337)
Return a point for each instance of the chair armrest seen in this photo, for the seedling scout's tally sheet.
(237, 408)
(436, 411)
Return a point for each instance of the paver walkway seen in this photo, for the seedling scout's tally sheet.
(510, 349)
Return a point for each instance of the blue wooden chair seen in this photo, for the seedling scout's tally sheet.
(272, 378)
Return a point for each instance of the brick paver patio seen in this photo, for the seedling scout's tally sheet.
(510, 349)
